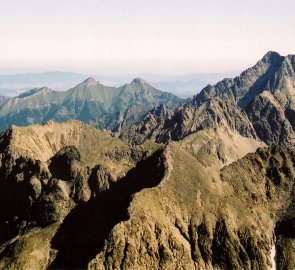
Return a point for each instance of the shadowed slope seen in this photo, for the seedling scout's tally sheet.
(85, 229)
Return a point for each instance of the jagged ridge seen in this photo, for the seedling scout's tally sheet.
(263, 96)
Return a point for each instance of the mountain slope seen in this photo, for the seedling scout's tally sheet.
(87, 101)
(78, 196)
(266, 92)
(47, 171)
(56, 175)
(188, 119)
(198, 219)
(250, 83)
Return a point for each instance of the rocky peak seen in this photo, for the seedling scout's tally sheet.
(34, 91)
(89, 82)
(249, 84)
(272, 57)
(139, 81)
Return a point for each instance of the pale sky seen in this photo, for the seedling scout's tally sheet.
(154, 36)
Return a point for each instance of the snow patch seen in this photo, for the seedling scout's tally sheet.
(273, 258)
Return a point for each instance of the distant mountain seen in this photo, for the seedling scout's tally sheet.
(182, 86)
(263, 96)
(105, 107)
(14, 84)
(3, 99)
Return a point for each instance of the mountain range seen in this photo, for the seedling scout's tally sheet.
(201, 183)
(261, 99)
(13, 82)
(106, 107)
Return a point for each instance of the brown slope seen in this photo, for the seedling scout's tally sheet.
(200, 219)
(49, 170)
(176, 209)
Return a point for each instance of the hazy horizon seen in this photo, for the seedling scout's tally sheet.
(12, 84)
(162, 37)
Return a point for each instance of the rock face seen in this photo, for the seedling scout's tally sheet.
(199, 219)
(263, 96)
(214, 113)
(104, 107)
(249, 84)
(270, 120)
(267, 94)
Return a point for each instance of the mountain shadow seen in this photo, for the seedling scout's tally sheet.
(81, 236)
(286, 228)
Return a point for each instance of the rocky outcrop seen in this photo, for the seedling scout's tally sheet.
(213, 114)
(195, 220)
(150, 126)
(37, 192)
(78, 242)
(270, 120)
